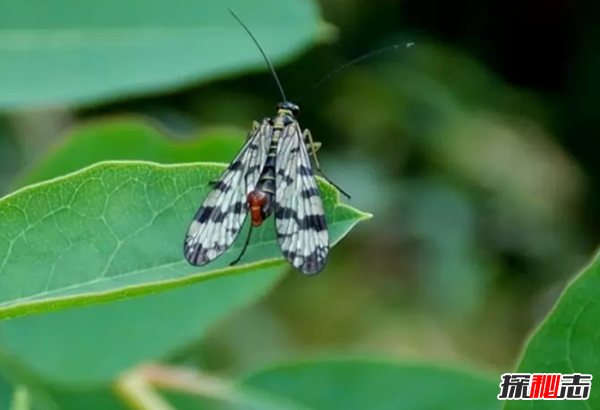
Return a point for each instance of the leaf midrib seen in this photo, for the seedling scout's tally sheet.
(43, 296)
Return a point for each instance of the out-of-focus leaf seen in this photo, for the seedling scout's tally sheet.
(131, 139)
(348, 384)
(6, 393)
(133, 330)
(71, 52)
(566, 342)
(202, 393)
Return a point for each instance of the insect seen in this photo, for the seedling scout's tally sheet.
(271, 174)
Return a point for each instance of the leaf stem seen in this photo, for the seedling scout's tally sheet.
(20, 399)
(138, 393)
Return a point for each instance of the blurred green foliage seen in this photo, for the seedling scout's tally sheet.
(566, 341)
(131, 139)
(77, 53)
(376, 384)
(471, 149)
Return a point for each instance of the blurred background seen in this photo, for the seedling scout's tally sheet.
(474, 150)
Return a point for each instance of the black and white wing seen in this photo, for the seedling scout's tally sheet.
(219, 219)
(299, 216)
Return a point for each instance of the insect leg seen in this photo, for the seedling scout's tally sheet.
(314, 147)
(308, 136)
(244, 248)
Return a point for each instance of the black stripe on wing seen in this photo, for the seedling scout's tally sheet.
(219, 219)
(299, 215)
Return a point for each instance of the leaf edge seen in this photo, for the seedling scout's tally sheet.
(55, 304)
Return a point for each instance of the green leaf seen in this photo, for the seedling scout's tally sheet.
(354, 383)
(81, 52)
(88, 399)
(136, 329)
(115, 229)
(133, 331)
(320, 384)
(131, 138)
(6, 393)
(567, 341)
(210, 393)
(316, 385)
(226, 397)
(174, 317)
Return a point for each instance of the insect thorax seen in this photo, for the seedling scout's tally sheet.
(283, 119)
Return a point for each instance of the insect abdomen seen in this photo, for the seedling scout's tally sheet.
(260, 200)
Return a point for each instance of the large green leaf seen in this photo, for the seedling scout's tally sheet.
(6, 393)
(136, 329)
(319, 384)
(69, 52)
(173, 318)
(233, 398)
(115, 229)
(348, 384)
(142, 328)
(131, 138)
(107, 339)
(567, 341)
(126, 221)
(104, 397)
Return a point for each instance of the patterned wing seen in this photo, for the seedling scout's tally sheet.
(219, 219)
(299, 216)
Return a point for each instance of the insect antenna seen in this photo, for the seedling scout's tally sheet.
(336, 71)
(244, 247)
(366, 56)
(262, 52)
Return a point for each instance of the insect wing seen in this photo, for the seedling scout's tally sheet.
(299, 215)
(219, 219)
